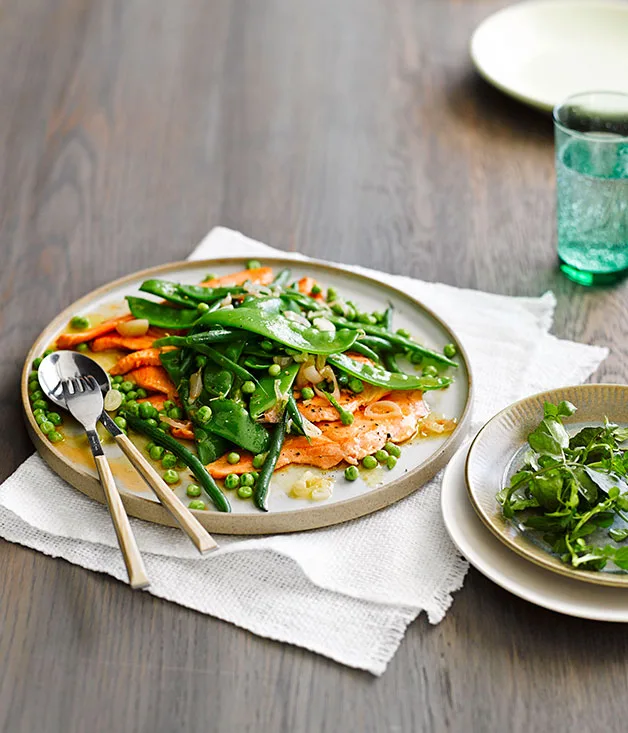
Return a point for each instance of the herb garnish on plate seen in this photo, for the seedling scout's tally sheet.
(571, 488)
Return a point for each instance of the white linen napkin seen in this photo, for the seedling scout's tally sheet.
(347, 592)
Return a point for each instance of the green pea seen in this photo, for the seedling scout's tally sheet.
(204, 415)
(147, 410)
(339, 308)
(255, 475)
(82, 348)
(403, 332)
(169, 460)
(55, 418)
(180, 463)
(170, 476)
(40, 404)
(393, 449)
(33, 385)
(197, 504)
(378, 316)
(450, 351)
(149, 446)
(168, 405)
(55, 437)
(37, 395)
(37, 362)
(156, 452)
(41, 417)
(369, 462)
(233, 458)
(209, 276)
(253, 265)
(46, 426)
(153, 422)
(39, 411)
(202, 307)
(47, 352)
(141, 394)
(381, 455)
(416, 358)
(132, 395)
(116, 387)
(351, 473)
(133, 409)
(356, 385)
(245, 492)
(332, 294)
(430, 371)
(307, 393)
(126, 386)
(367, 318)
(391, 462)
(343, 379)
(33, 375)
(267, 345)
(248, 387)
(175, 413)
(316, 289)
(80, 323)
(246, 479)
(232, 481)
(127, 403)
(258, 460)
(274, 370)
(120, 422)
(117, 380)
(193, 490)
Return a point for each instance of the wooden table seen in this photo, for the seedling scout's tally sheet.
(355, 131)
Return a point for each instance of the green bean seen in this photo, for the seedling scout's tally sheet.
(375, 342)
(283, 276)
(225, 362)
(266, 472)
(363, 349)
(388, 318)
(390, 361)
(163, 440)
(297, 417)
(393, 338)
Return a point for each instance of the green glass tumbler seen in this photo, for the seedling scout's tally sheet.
(591, 134)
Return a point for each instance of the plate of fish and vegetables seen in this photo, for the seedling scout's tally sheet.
(272, 396)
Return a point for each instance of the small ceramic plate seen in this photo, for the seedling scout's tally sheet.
(495, 455)
(513, 573)
(541, 52)
(420, 458)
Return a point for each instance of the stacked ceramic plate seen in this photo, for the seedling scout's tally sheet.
(502, 549)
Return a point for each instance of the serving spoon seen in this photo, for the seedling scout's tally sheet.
(71, 364)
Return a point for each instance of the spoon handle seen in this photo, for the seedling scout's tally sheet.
(128, 546)
(184, 517)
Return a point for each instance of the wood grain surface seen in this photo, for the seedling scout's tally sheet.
(351, 130)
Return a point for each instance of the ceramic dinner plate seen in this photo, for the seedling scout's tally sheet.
(495, 454)
(513, 573)
(542, 51)
(420, 459)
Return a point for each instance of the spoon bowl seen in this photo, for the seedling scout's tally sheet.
(68, 365)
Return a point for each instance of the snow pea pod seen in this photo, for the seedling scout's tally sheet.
(394, 338)
(225, 362)
(202, 294)
(265, 397)
(365, 350)
(166, 290)
(162, 316)
(215, 336)
(264, 318)
(378, 376)
(231, 420)
(282, 279)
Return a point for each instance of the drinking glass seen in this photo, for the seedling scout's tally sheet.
(591, 133)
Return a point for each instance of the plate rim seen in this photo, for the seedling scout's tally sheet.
(483, 560)
(474, 41)
(314, 517)
(544, 560)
